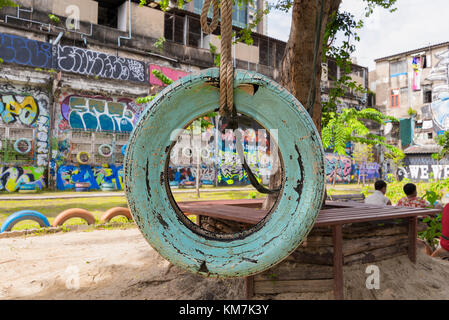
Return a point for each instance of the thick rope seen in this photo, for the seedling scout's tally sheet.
(227, 77)
(226, 66)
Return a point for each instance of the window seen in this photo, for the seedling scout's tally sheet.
(240, 15)
(427, 95)
(194, 35)
(430, 135)
(108, 13)
(398, 68)
(394, 98)
(174, 28)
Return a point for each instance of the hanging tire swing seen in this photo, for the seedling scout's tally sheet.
(196, 249)
(232, 92)
(23, 145)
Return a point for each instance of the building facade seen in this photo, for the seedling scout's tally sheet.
(413, 87)
(72, 70)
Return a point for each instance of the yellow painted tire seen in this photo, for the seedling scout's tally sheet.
(80, 154)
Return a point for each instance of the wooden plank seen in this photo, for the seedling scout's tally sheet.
(377, 254)
(293, 286)
(412, 235)
(338, 262)
(295, 271)
(249, 287)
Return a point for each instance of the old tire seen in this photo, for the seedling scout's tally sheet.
(114, 212)
(82, 185)
(102, 153)
(81, 155)
(16, 217)
(73, 213)
(27, 141)
(172, 234)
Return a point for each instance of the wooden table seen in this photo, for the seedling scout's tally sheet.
(335, 215)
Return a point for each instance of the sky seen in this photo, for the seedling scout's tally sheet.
(415, 24)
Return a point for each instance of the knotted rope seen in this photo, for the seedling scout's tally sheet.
(226, 66)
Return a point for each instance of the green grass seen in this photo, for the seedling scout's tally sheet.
(98, 205)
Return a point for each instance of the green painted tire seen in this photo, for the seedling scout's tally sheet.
(27, 141)
(172, 234)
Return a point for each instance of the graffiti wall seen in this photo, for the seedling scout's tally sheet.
(68, 175)
(338, 168)
(343, 169)
(12, 177)
(422, 168)
(93, 63)
(97, 113)
(169, 72)
(439, 107)
(187, 175)
(14, 49)
(27, 108)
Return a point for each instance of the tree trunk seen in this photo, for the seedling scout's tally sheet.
(297, 67)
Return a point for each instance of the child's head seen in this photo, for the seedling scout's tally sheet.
(410, 190)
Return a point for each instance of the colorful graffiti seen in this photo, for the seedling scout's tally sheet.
(12, 177)
(98, 113)
(68, 175)
(27, 106)
(344, 169)
(338, 168)
(417, 71)
(187, 175)
(170, 73)
(12, 110)
(88, 62)
(440, 92)
(14, 49)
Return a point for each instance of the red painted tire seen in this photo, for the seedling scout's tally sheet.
(114, 212)
(73, 213)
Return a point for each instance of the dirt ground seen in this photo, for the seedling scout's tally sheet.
(120, 264)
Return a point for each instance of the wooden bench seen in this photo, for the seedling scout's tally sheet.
(335, 215)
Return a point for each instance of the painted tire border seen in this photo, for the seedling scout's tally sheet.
(73, 213)
(16, 145)
(278, 234)
(114, 212)
(78, 157)
(18, 216)
(100, 150)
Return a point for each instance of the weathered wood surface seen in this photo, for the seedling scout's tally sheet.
(297, 286)
(288, 270)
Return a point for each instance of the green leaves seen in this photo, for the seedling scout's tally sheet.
(159, 44)
(349, 126)
(8, 3)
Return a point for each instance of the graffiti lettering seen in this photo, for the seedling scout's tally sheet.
(98, 113)
(88, 62)
(12, 177)
(14, 49)
(68, 175)
(26, 111)
(27, 106)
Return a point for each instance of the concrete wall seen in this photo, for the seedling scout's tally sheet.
(145, 20)
(88, 9)
(246, 53)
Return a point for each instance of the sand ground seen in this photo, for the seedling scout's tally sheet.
(120, 264)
